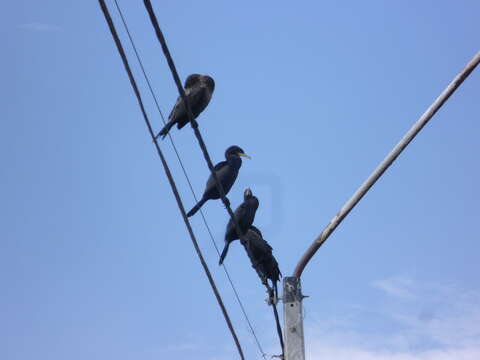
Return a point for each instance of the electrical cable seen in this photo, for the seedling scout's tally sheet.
(168, 173)
(240, 303)
(193, 122)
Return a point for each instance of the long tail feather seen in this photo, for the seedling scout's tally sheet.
(224, 253)
(196, 207)
(165, 130)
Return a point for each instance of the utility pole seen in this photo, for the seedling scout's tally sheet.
(293, 316)
(292, 293)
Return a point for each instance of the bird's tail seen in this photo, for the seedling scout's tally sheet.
(224, 253)
(197, 207)
(165, 130)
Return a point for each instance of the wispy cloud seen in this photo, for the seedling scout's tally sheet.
(323, 351)
(396, 286)
(41, 27)
(422, 322)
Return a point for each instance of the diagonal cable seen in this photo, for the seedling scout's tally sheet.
(240, 303)
(168, 173)
(193, 122)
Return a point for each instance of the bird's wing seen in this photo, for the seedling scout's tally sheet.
(194, 96)
(240, 211)
(178, 110)
(239, 215)
(260, 249)
(265, 246)
(197, 99)
(220, 169)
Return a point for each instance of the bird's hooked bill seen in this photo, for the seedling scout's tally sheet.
(245, 156)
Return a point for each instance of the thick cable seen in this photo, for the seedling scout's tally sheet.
(169, 175)
(193, 123)
(239, 301)
(279, 327)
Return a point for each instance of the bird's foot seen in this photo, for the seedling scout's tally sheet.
(272, 298)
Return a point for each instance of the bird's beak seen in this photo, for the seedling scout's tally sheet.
(244, 155)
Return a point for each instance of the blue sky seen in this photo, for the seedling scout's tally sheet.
(95, 260)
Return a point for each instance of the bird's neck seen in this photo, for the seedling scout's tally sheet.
(235, 162)
(252, 201)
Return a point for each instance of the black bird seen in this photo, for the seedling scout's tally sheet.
(227, 172)
(199, 90)
(244, 214)
(261, 257)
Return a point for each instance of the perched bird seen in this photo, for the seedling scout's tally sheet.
(244, 214)
(227, 172)
(199, 90)
(261, 257)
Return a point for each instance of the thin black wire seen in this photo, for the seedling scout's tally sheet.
(277, 320)
(168, 173)
(188, 179)
(193, 123)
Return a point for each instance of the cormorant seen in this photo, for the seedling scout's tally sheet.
(199, 90)
(244, 214)
(261, 257)
(227, 172)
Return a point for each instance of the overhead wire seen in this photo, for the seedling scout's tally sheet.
(193, 122)
(169, 175)
(137, 55)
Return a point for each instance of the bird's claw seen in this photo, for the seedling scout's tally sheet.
(272, 300)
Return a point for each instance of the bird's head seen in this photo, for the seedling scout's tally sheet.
(192, 80)
(235, 151)
(252, 200)
(209, 82)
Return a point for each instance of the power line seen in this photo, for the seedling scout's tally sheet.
(132, 42)
(193, 122)
(279, 327)
(168, 173)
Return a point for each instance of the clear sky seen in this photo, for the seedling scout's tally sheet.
(95, 261)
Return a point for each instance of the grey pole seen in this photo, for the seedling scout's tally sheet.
(293, 318)
(292, 294)
(372, 179)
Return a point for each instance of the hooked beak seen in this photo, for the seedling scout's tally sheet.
(244, 155)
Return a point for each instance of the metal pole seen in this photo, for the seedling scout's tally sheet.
(293, 317)
(292, 294)
(409, 136)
